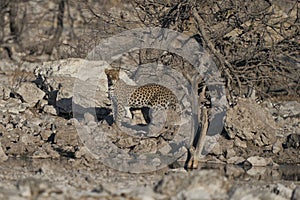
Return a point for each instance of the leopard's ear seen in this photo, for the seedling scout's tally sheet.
(116, 74)
(106, 71)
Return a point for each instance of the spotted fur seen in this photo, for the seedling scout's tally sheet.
(152, 95)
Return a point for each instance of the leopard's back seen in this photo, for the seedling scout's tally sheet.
(154, 96)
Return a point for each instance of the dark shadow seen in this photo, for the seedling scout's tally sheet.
(64, 153)
(51, 138)
(146, 114)
(65, 109)
(100, 112)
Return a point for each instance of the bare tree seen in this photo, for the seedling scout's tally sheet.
(255, 47)
(255, 43)
(59, 28)
(3, 10)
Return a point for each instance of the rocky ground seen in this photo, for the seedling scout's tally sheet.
(43, 156)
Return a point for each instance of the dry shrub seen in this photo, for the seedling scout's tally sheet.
(254, 43)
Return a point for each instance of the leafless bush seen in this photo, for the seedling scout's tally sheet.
(254, 43)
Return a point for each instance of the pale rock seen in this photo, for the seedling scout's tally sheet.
(289, 109)
(15, 106)
(229, 153)
(23, 107)
(72, 121)
(50, 109)
(92, 124)
(9, 127)
(30, 93)
(256, 171)
(26, 139)
(84, 129)
(138, 117)
(235, 160)
(84, 152)
(277, 147)
(246, 134)
(184, 157)
(4, 92)
(257, 161)
(82, 82)
(2, 106)
(88, 117)
(2, 129)
(217, 149)
(45, 134)
(127, 142)
(13, 110)
(36, 121)
(231, 134)
(239, 143)
(46, 151)
(165, 148)
(210, 142)
(3, 156)
(43, 103)
(156, 162)
(222, 158)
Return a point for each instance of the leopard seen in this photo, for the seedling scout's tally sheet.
(125, 96)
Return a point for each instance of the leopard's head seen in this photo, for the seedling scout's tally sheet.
(112, 75)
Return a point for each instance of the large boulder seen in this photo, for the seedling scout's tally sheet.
(81, 81)
(30, 93)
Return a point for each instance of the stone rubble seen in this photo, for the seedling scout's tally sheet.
(36, 124)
